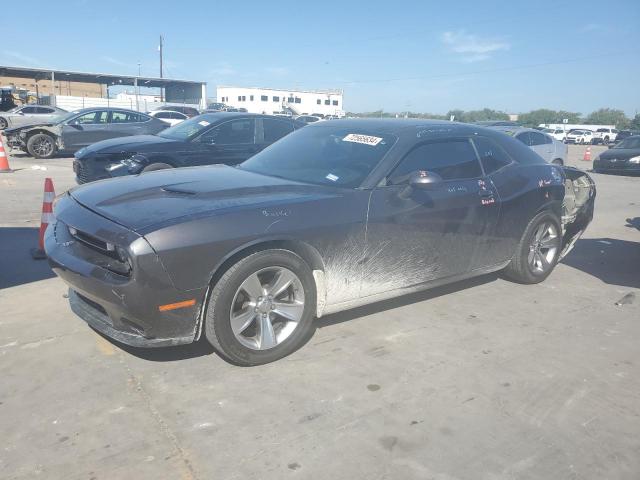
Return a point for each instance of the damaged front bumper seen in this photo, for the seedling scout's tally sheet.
(15, 141)
(120, 299)
(578, 207)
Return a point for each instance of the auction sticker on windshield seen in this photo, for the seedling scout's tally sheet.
(204, 123)
(364, 139)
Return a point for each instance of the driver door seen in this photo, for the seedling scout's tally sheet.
(85, 129)
(230, 143)
(417, 235)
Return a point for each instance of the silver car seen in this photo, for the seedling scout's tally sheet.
(29, 114)
(552, 150)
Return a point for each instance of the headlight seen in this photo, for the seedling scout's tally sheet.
(134, 162)
(635, 159)
(114, 166)
(131, 162)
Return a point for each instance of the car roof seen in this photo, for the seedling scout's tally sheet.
(217, 116)
(110, 109)
(395, 126)
(513, 130)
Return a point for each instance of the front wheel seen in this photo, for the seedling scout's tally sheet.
(262, 308)
(538, 250)
(557, 161)
(3, 123)
(41, 145)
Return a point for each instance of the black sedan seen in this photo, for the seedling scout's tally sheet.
(69, 132)
(335, 215)
(220, 137)
(624, 157)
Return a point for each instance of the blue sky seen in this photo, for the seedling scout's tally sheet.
(395, 55)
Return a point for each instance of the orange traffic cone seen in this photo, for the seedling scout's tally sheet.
(4, 160)
(587, 154)
(47, 218)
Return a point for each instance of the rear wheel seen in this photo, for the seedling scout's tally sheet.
(3, 123)
(606, 141)
(41, 145)
(538, 250)
(558, 161)
(262, 308)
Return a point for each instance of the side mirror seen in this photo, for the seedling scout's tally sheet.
(425, 180)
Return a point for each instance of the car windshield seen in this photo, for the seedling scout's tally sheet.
(61, 117)
(629, 142)
(341, 157)
(602, 130)
(548, 130)
(186, 130)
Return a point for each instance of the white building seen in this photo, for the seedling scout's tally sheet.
(271, 100)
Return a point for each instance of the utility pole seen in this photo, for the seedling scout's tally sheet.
(160, 50)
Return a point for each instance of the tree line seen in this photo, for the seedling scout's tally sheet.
(603, 116)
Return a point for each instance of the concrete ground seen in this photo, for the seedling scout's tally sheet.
(484, 379)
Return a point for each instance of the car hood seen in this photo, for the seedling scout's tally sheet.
(149, 201)
(134, 143)
(14, 130)
(621, 153)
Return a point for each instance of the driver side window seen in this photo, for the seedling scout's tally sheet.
(451, 159)
(234, 132)
(98, 117)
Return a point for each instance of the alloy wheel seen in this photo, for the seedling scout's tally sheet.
(267, 307)
(543, 248)
(43, 146)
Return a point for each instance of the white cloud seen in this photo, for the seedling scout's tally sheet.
(471, 47)
(593, 27)
(277, 71)
(26, 60)
(115, 61)
(223, 69)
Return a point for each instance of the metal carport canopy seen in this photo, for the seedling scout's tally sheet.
(100, 78)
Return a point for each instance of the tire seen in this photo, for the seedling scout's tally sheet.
(249, 344)
(155, 166)
(41, 145)
(557, 161)
(605, 141)
(521, 269)
(3, 123)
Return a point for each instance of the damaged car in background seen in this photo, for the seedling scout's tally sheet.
(221, 137)
(333, 216)
(69, 132)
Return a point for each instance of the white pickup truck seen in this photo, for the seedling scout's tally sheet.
(604, 135)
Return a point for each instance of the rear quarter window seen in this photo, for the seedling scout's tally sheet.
(517, 150)
(492, 156)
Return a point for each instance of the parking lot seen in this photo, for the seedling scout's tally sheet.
(483, 379)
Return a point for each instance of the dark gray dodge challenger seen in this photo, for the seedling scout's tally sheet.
(335, 215)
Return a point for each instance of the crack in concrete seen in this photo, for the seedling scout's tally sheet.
(188, 472)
